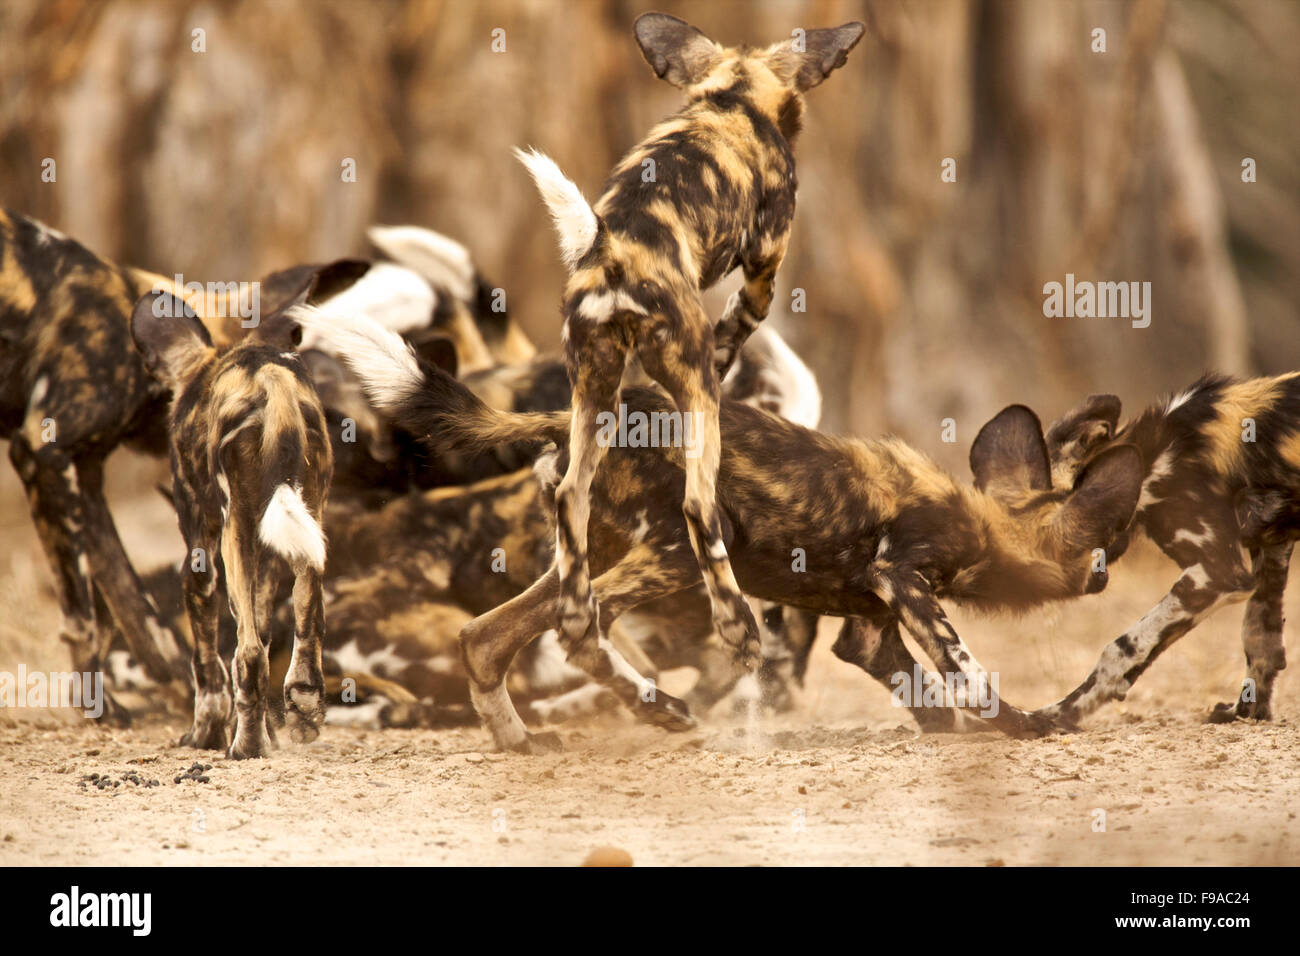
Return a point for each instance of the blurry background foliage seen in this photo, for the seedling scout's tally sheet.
(924, 298)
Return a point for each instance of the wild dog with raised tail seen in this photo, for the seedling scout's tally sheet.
(884, 531)
(710, 189)
(1221, 472)
(251, 465)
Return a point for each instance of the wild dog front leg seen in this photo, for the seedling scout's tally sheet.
(748, 305)
(920, 612)
(150, 640)
(213, 704)
(50, 479)
(1261, 635)
(1196, 593)
(877, 647)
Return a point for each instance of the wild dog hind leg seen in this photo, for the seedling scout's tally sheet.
(681, 361)
(1261, 636)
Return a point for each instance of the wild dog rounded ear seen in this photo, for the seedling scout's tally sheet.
(332, 278)
(1009, 455)
(1104, 498)
(1089, 423)
(439, 351)
(676, 51)
(826, 51)
(169, 335)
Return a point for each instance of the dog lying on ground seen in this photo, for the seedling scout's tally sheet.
(708, 190)
(876, 530)
(1221, 471)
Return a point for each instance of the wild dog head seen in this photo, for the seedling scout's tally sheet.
(1079, 434)
(1065, 530)
(772, 78)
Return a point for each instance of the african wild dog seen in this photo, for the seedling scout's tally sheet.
(1221, 471)
(710, 189)
(884, 532)
(251, 466)
(72, 389)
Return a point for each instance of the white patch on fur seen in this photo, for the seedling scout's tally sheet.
(358, 716)
(125, 674)
(289, 529)
(1178, 401)
(383, 662)
(39, 391)
(575, 220)
(550, 668)
(382, 360)
(395, 297)
(442, 261)
(1159, 471)
(600, 306)
(801, 398)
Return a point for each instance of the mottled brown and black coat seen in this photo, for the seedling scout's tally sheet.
(709, 190)
(1221, 465)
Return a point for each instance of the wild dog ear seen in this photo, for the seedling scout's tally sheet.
(818, 54)
(1078, 433)
(333, 277)
(440, 351)
(1104, 497)
(280, 329)
(170, 336)
(1009, 455)
(676, 51)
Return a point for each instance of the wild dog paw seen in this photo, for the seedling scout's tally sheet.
(253, 738)
(1231, 711)
(209, 736)
(666, 711)
(543, 742)
(114, 714)
(304, 711)
(741, 635)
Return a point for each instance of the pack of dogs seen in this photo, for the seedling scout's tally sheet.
(398, 512)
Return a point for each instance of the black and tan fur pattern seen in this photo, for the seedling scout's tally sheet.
(251, 467)
(72, 389)
(884, 532)
(1206, 493)
(721, 195)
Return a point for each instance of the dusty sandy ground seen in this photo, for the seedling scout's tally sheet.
(844, 779)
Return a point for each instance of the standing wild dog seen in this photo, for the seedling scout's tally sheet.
(72, 389)
(710, 189)
(251, 467)
(1221, 471)
(885, 532)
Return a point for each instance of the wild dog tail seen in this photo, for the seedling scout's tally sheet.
(421, 397)
(575, 220)
(287, 525)
(289, 529)
(261, 446)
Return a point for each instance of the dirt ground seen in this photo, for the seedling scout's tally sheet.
(844, 779)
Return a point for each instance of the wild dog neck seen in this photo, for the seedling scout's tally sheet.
(866, 514)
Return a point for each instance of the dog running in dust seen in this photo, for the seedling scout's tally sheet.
(251, 465)
(710, 189)
(886, 532)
